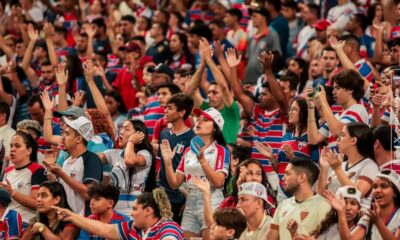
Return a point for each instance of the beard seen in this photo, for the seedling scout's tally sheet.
(292, 189)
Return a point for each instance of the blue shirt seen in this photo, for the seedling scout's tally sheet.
(281, 26)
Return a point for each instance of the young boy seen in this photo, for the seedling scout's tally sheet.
(179, 135)
(102, 202)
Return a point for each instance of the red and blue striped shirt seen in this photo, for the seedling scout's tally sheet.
(162, 229)
(10, 225)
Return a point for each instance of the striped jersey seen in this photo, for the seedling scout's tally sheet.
(10, 225)
(152, 112)
(116, 218)
(355, 113)
(301, 149)
(392, 165)
(161, 230)
(268, 127)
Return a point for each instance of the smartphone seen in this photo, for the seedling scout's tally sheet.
(396, 77)
(195, 144)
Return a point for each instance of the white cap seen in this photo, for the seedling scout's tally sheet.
(254, 189)
(211, 114)
(349, 192)
(224, 3)
(82, 125)
(390, 175)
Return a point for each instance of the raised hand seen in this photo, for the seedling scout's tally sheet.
(79, 98)
(48, 104)
(99, 71)
(201, 183)
(323, 160)
(61, 74)
(266, 59)
(288, 150)
(63, 214)
(265, 149)
(205, 49)
(166, 152)
(242, 175)
(136, 137)
(32, 33)
(89, 70)
(90, 31)
(231, 58)
(310, 97)
(337, 202)
(320, 96)
(50, 156)
(335, 44)
(335, 160)
(48, 30)
(219, 49)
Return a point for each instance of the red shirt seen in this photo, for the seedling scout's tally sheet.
(126, 86)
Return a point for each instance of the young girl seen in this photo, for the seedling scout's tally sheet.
(207, 157)
(46, 225)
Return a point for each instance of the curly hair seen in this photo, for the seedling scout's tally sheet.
(100, 123)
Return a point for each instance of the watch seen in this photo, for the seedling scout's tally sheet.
(41, 228)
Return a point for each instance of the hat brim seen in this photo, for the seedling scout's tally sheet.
(198, 112)
(61, 114)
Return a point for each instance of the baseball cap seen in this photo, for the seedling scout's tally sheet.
(72, 111)
(224, 3)
(162, 68)
(211, 114)
(395, 32)
(5, 198)
(390, 175)
(82, 125)
(255, 189)
(130, 46)
(29, 124)
(349, 192)
(321, 25)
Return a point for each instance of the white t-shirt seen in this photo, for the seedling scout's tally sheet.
(365, 170)
(339, 16)
(120, 178)
(308, 214)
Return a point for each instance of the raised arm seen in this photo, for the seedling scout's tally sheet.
(266, 59)
(378, 48)
(313, 135)
(132, 159)
(49, 33)
(4, 96)
(241, 97)
(26, 61)
(324, 170)
(14, 79)
(90, 31)
(335, 126)
(98, 228)
(48, 118)
(204, 187)
(6, 49)
(218, 76)
(62, 79)
(219, 53)
(97, 96)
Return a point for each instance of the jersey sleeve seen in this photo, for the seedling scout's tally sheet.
(157, 130)
(181, 166)
(147, 156)
(223, 160)
(37, 178)
(324, 130)
(14, 222)
(369, 172)
(93, 168)
(123, 229)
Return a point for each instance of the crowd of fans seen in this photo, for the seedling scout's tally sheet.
(197, 119)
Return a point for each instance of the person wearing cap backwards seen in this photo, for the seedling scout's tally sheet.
(382, 222)
(10, 219)
(130, 78)
(152, 214)
(206, 157)
(346, 205)
(253, 201)
(82, 168)
(305, 209)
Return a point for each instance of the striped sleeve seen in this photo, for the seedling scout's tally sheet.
(324, 130)
(123, 229)
(351, 117)
(223, 159)
(14, 222)
(170, 231)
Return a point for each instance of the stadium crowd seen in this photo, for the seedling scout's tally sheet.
(197, 119)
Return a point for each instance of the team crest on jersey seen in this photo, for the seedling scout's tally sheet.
(302, 144)
(179, 148)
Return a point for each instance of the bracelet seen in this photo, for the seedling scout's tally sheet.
(49, 118)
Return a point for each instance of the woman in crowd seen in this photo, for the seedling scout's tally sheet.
(300, 67)
(375, 18)
(355, 143)
(152, 214)
(346, 205)
(382, 221)
(22, 180)
(294, 143)
(207, 157)
(180, 56)
(116, 108)
(46, 225)
(133, 166)
(238, 155)
(248, 171)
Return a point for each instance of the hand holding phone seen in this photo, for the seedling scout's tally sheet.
(196, 144)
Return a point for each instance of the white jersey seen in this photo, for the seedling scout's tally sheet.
(363, 170)
(120, 178)
(339, 16)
